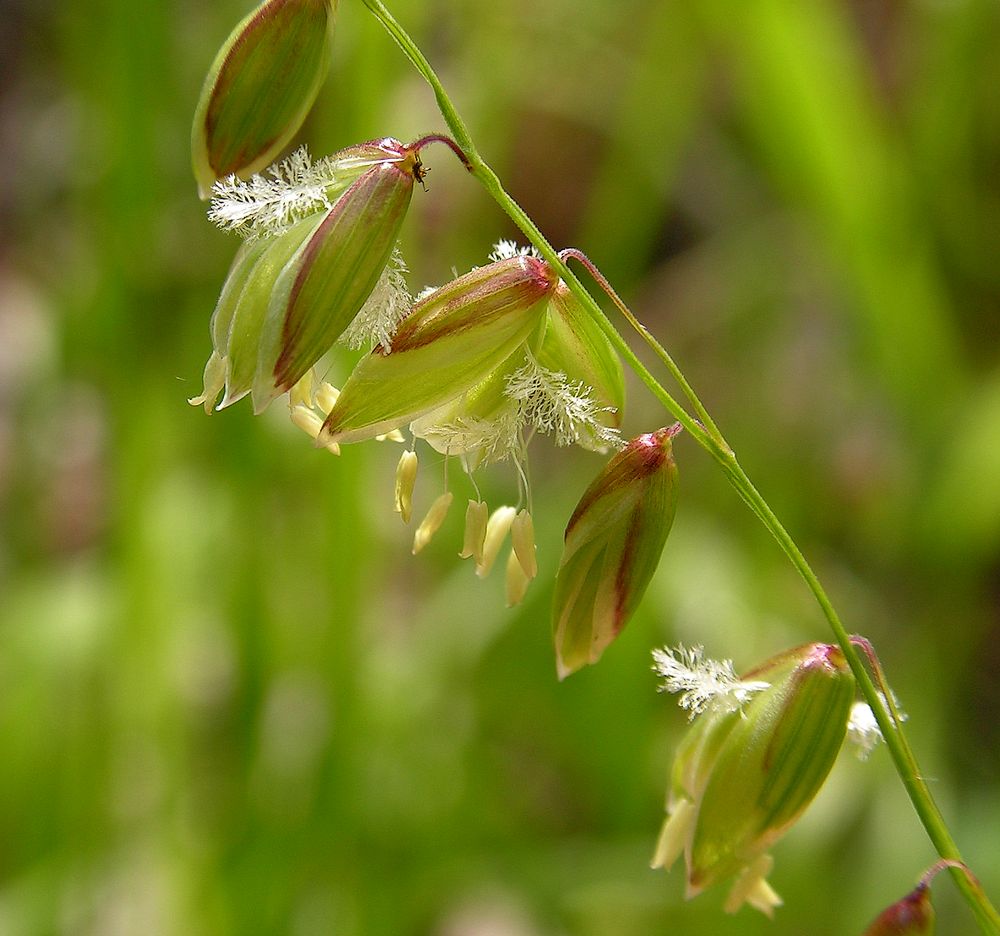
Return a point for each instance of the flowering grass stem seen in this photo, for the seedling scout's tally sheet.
(572, 253)
(705, 432)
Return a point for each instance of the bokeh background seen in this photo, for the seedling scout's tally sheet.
(230, 700)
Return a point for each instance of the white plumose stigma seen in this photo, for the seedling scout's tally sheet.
(537, 398)
(267, 205)
(491, 440)
(270, 204)
(506, 249)
(862, 730)
(703, 684)
(384, 309)
(551, 404)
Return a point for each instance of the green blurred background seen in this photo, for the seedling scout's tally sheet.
(230, 700)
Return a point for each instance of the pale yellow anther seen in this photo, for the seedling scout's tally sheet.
(306, 420)
(326, 396)
(394, 436)
(752, 888)
(301, 393)
(522, 537)
(516, 581)
(406, 476)
(432, 522)
(674, 835)
(496, 532)
(476, 515)
(214, 380)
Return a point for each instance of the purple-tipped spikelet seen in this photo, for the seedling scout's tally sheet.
(319, 241)
(612, 546)
(315, 300)
(912, 915)
(751, 762)
(260, 88)
(450, 341)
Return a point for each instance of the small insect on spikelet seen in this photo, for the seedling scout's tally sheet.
(318, 262)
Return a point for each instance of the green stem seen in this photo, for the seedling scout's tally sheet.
(709, 438)
(648, 337)
(895, 737)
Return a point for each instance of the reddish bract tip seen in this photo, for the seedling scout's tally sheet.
(653, 448)
(828, 656)
(913, 915)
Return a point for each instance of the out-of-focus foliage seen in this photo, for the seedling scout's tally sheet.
(232, 703)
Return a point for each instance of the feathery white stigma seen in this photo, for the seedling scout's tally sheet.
(862, 730)
(550, 403)
(267, 205)
(492, 440)
(507, 249)
(384, 309)
(703, 684)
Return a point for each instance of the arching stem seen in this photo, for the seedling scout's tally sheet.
(705, 433)
(418, 145)
(647, 336)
